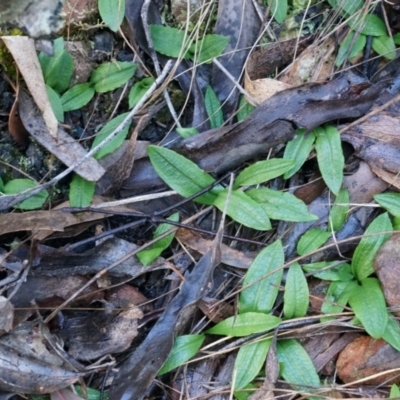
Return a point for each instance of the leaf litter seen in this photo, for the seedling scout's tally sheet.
(77, 301)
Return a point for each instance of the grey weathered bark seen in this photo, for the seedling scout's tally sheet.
(39, 18)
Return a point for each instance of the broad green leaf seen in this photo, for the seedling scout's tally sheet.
(187, 132)
(298, 150)
(104, 132)
(392, 332)
(243, 209)
(181, 174)
(337, 297)
(350, 47)
(244, 110)
(322, 270)
(370, 24)
(112, 12)
(368, 303)
(147, 256)
(112, 75)
(184, 348)
(249, 362)
(138, 90)
(263, 171)
(330, 158)
(312, 240)
(77, 97)
(390, 202)
(168, 41)
(204, 50)
(262, 280)
(55, 103)
(394, 392)
(296, 366)
(58, 69)
(81, 191)
(363, 258)
(338, 213)
(19, 185)
(279, 10)
(92, 394)
(349, 7)
(281, 205)
(384, 46)
(296, 295)
(396, 38)
(213, 107)
(245, 324)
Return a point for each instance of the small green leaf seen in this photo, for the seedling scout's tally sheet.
(384, 46)
(147, 256)
(338, 213)
(19, 185)
(363, 258)
(138, 90)
(296, 295)
(368, 303)
(296, 366)
(168, 41)
(184, 348)
(262, 280)
(278, 10)
(244, 110)
(58, 69)
(396, 38)
(187, 132)
(371, 25)
(112, 12)
(245, 324)
(213, 107)
(77, 97)
(330, 158)
(243, 209)
(209, 47)
(181, 174)
(312, 240)
(281, 205)
(81, 191)
(345, 52)
(337, 297)
(55, 103)
(104, 132)
(394, 392)
(249, 362)
(298, 150)
(112, 75)
(338, 272)
(263, 171)
(389, 201)
(392, 332)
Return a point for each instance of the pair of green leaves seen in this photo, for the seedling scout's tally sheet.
(173, 42)
(329, 154)
(19, 185)
(81, 190)
(252, 208)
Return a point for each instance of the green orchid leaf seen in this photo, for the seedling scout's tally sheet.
(340, 209)
(77, 97)
(81, 192)
(19, 185)
(112, 75)
(312, 240)
(112, 12)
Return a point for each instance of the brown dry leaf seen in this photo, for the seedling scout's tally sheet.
(390, 178)
(16, 127)
(387, 267)
(64, 148)
(35, 221)
(216, 310)
(315, 64)
(24, 53)
(99, 333)
(263, 89)
(27, 366)
(365, 357)
(229, 256)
